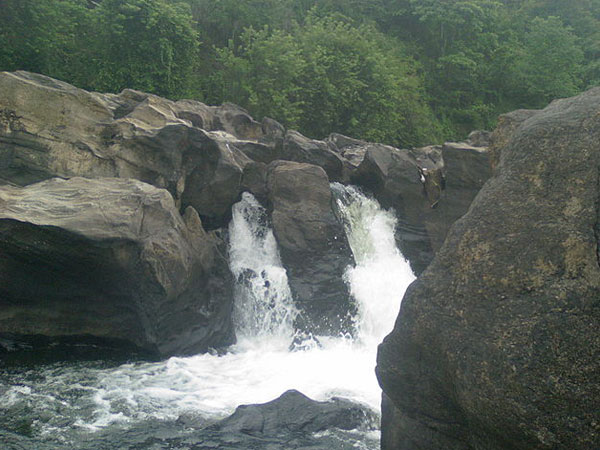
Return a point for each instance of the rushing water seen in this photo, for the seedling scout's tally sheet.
(163, 405)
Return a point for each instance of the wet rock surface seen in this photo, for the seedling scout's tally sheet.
(429, 188)
(496, 345)
(295, 412)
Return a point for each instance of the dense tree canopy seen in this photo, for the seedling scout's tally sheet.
(405, 72)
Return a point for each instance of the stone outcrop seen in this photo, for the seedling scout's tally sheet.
(111, 258)
(496, 345)
(313, 245)
(429, 188)
(299, 148)
(51, 129)
(294, 412)
(466, 169)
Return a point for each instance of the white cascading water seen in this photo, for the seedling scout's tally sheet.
(264, 308)
(260, 367)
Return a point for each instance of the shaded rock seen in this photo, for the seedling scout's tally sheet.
(353, 150)
(479, 138)
(299, 148)
(258, 151)
(254, 180)
(496, 345)
(313, 245)
(273, 130)
(110, 258)
(397, 180)
(213, 182)
(429, 187)
(295, 412)
(235, 120)
(466, 169)
(507, 125)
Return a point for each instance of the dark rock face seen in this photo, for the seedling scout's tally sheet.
(110, 258)
(313, 245)
(466, 169)
(497, 344)
(394, 178)
(295, 412)
(429, 188)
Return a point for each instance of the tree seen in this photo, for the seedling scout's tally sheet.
(550, 63)
(330, 75)
(149, 45)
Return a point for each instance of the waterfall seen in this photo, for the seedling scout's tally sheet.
(258, 369)
(381, 274)
(263, 302)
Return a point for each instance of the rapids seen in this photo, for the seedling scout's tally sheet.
(149, 405)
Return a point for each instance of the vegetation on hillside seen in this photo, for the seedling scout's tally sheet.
(404, 72)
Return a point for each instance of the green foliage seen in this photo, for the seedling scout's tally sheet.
(145, 44)
(384, 70)
(549, 64)
(329, 75)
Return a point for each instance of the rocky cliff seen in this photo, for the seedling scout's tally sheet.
(190, 163)
(496, 345)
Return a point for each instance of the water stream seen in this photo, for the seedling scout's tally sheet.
(92, 405)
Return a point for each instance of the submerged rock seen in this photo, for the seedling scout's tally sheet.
(496, 345)
(110, 258)
(295, 412)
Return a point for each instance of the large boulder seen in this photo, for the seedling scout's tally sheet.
(496, 345)
(111, 258)
(51, 129)
(299, 148)
(313, 245)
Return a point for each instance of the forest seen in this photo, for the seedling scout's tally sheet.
(402, 72)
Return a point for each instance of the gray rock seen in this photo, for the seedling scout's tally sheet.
(429, 188)
(110, 258)
(353, 150)
(294, 412)
(479, 138)
(299, 148)
(395, 178)
(254, 180)
(465, 171)
(313, 245)
(496, 345)
(507, 124)
(52, 129)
